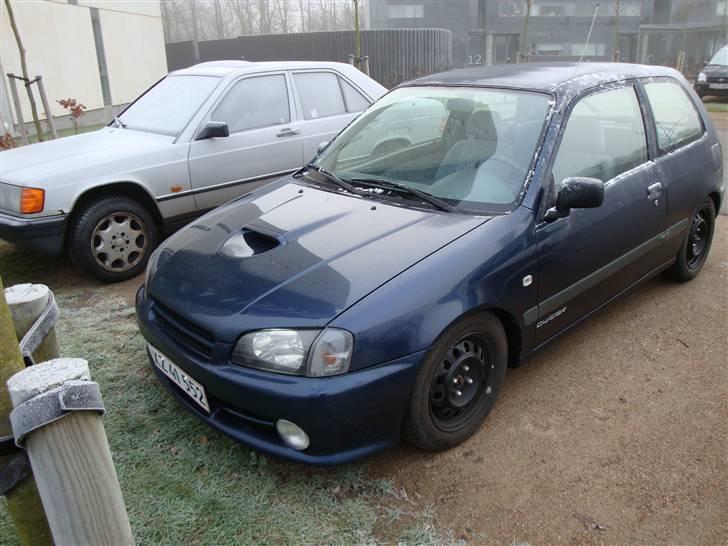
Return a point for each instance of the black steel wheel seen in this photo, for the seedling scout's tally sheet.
(696, 244)
(457, 384)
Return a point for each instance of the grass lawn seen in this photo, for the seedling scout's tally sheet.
(715, 106)
(186, 484)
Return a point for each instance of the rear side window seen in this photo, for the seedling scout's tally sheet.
(355, 101)
(254, 103)
(676, 120)
(604, 137)
(320, 94)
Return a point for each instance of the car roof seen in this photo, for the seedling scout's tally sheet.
(225, 68)
(552, 77)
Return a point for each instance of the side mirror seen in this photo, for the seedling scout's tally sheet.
(577, 192)
(322, 146)
(213, 129)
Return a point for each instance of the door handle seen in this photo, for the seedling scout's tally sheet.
(654, 190)
(288, 132)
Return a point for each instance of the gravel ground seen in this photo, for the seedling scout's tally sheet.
(617, 433)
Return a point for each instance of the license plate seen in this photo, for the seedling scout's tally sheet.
(719, 85)
(190, 387)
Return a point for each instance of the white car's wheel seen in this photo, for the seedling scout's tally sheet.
(111, 238)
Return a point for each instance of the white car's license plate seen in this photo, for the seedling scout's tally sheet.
(719, 85)
(191, 387)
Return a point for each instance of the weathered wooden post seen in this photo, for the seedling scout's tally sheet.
(28, 303)
(44, 99)
(24, 504)
(18, 108)
(57, 417)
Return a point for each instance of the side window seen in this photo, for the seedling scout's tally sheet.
(252, 103)
(676, 119)
(604, 137)
(320, 94)
(355, 101)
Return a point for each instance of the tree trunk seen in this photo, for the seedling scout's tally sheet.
(24, 68)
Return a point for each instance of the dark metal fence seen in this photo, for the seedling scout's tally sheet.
(394, 55)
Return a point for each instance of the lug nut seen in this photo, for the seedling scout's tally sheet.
(458, 393)
(455, 380)
(469, 380)
(466, 368)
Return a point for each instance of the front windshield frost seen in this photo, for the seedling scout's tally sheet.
(168, 106)
(469, 147)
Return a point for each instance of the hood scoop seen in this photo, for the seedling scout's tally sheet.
(249, 242)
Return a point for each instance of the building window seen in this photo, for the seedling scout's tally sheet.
(514, 8)
(721, 9)
(550, 10)
(100, 55)
(406, 11)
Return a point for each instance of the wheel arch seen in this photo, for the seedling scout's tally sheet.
(715, 196)
(124, 188)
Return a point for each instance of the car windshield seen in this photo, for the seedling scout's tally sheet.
(168, 106)
(468, 147)
(720, 58)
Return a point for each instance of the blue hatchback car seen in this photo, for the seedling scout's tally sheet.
(381, 292)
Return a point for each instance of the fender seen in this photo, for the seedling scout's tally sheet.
(486, 269)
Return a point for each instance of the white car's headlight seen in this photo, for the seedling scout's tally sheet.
(702, 77)
(313, 353)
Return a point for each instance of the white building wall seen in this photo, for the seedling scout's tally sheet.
(132, 68)
(59, 43)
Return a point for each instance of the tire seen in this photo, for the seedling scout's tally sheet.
(474, 348)
(104, 222)
(696, 245)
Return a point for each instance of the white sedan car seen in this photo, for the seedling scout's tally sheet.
(198, 138)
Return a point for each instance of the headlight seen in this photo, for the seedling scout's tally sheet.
(702, 77)
(314, 353)
(21, 199)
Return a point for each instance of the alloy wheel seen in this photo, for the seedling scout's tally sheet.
(119, 241)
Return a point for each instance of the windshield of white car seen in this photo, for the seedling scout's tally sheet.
(469, 147)
(168, 106)
(720, 58)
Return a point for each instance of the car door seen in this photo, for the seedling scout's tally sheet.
(264, 141)
(684, 154)
(591, 255)
(327, 102)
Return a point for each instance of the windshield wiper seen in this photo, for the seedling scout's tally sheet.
(402, 188)
(331, 177)
(118, 122)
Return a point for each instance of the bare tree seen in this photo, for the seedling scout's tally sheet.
(24, 69)
(525, 47)
(244, 15)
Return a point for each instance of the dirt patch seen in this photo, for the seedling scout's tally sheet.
(617, 433)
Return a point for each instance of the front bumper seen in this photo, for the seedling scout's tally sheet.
(346, 417)
(43, 234)
(703, 89)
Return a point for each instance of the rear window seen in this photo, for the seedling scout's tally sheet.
(676, 120)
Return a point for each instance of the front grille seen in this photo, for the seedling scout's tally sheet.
(190, 335)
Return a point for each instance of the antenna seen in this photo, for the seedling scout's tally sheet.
(588, 37)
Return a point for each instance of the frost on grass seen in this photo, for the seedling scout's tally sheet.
(183, 483)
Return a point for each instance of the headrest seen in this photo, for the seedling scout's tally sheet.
(481, 126)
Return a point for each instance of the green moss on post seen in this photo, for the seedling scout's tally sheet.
(24, 505)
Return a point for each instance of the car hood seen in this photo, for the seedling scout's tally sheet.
(329, 250)
(44, 161)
